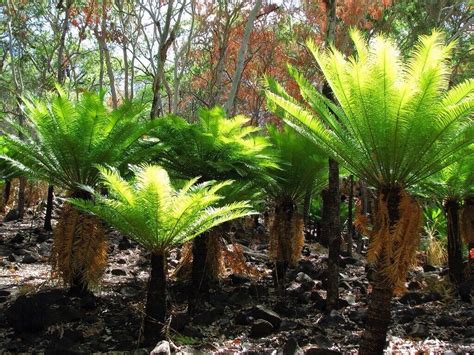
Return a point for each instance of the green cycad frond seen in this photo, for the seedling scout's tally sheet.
(455, 182)
(303, 166)
(64, 141)
(156, 215)
(397, 122)
(215, 148)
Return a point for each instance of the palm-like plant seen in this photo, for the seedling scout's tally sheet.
(396, 124)
(302, 168)
(159, 217)
(451, 186)
(214, 148)
(62, 144)
(7, 172)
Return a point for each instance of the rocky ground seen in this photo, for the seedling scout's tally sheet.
(242, 314)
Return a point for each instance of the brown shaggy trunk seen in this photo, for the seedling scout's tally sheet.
(49, 208)
(454, 242)
(6, 195)
(79, 253)
(350, 229)
(155, 308)
(286, 240)
(379, 309)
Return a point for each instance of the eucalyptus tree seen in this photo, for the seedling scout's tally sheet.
(159, 217)
(63, 141)
(395, 124)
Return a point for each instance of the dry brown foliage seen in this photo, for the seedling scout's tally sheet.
(79, 247)
(467, 223)
(393, 247)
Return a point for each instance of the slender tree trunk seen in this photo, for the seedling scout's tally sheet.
(106, 52)
(333, 229)
(230, 104)
(6, 195)
(155, 308)
(350, 216)
(454, 242)
(49, 208)
(379, 310)
(200, 276)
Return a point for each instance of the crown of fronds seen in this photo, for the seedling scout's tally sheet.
(63, 141)
(397, 122)
(156, 215)
(302, 164)
(7, 170)
(215, 148)
(455, 182)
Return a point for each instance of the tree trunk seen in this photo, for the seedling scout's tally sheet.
(379, 310)
(230, 104)
(333, 235)
(49, 208)
(155, 309)
(6, 194)
(21, 197)
(350, 216)
(200, 276)
(454, 242)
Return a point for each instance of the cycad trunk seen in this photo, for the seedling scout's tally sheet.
(5, 195)
(379, 308)
(79, 254)
(286, 240)
(21, 197)
(155, 308)
(454, 242)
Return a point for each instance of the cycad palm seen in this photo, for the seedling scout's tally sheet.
(62, 144)
(159, 217)
(451, 186)
(396, 124)
(301, 169)
(214, 148)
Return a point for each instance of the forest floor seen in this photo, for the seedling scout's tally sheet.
(428, 319)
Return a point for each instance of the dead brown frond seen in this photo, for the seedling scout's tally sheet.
(392, 246)
(436, 253)
(467, 223)
(214, 262)
(79, 247)
(286, 234)
(235, 261)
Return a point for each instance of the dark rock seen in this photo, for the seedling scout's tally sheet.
(240, 297)
(432, 296)
(3, 299)
(129, 292)
(260, 312)
(162, 348)
(29, 259)
(4, 293)
(414, 285)
(284, 309)
(208, 317)
(321, 351)
(192, 332)
(237, 279)
(121, 261)
(261, 328)
(305, 280)
(410, 314)
(179, 321)
(288, 325)
(429, 268)
(465, 291)
(88, 302)
(294, 289)
(124, 244)
(12, 215)
(412, 298)
(257, 290)
(331, 319)
(342, 303)
(469, 332)
(17, 239)
(419, 331)
(358, 316)
(118, 272)
(41, 238)
(291, 347)
(447, 321)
